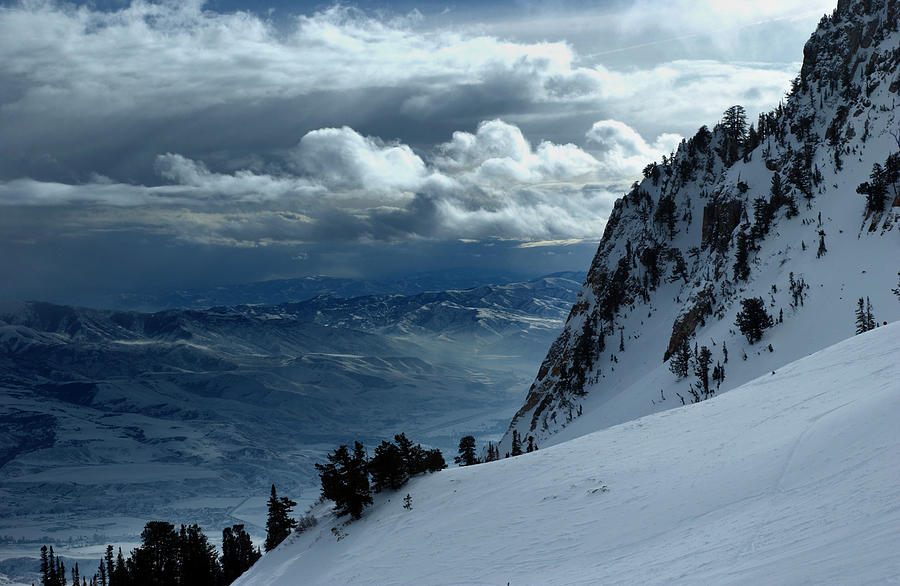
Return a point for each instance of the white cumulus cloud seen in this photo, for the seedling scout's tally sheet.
(623, 151)
(341, 158)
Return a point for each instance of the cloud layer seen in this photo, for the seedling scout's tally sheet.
(169, 122)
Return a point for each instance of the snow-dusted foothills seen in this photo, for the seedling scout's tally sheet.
(789, 479)
(109, 419)
(770, 211)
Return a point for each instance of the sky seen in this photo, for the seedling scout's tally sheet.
(146, 146)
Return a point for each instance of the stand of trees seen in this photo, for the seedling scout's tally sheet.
(884, 182)
(166, 557)
(865, 318)
(345, 478)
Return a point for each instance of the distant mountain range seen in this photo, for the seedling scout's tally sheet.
(276, 291)
(111, 418)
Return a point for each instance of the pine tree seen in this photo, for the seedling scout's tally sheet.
(156, 562)
(466, 450)
(53, 569)
(108, 562)
(120, 576)
(278, 521)
(734, 122)
(870, 317)
(358, 476)
(238, 554)
(199, 562)
(45, 567)
(701, 368)
(387, 468)
(345, 480)
(822, 250)
(861, 323)
(492, 453)
(680, 361)
(434, 460)
(530, 447)
(742, 255)
(516, 444)
(753, 318)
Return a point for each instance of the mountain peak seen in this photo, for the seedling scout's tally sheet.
(771, 209)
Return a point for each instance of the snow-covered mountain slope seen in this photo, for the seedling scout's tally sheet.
(109, 419)
(789, 479)
(669, 268)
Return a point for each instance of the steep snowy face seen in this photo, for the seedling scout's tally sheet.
(778, 210)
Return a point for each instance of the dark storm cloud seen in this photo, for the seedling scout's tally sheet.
(168, 126)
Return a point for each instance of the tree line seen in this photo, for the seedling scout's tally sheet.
(165, 557)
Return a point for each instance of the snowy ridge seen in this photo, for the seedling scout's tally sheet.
(665, 269)
(790, 479)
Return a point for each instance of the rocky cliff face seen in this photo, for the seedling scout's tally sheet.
(769, 209)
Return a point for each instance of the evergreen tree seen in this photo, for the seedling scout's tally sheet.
(763, 213)
(530, 447)
(875, 189)
(52, 569)
(156, 562)
(742, 255)
(101, 572)
(861, 322)
(434, 460)
(701, 368)
(516, 444)
(198, 559)
(870, 317)
(753, 318)
(278, 521)
(345, 480)
(45, 567)
(718, 375)
(680, 361)
(822, 250)
(734, 122)
(665, 214)
(120, 576)
(358, 476)
(414, 456)
(387, 468)
(238, 553)
(466, 450)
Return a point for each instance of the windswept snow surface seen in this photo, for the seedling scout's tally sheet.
(790, 479)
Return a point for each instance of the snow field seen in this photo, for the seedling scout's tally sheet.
(790, 479)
